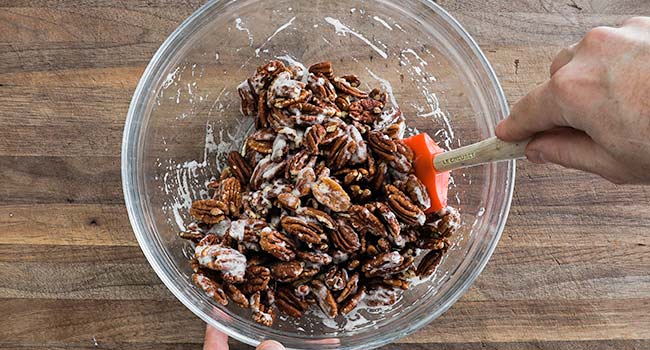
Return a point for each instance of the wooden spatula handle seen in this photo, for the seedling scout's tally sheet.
(486, 151)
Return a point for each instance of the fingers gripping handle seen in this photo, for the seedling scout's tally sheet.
(486, 151)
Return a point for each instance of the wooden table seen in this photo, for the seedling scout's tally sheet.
(572, 270)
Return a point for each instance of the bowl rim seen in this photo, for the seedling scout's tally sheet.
(132, 198)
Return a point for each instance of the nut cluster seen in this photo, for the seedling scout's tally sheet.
(321, 207)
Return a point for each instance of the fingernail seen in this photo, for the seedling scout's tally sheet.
(270, 345)
(535, 157)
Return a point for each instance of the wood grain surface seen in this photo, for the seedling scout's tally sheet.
(572, 270)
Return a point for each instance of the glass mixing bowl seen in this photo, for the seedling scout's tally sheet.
(184, 117)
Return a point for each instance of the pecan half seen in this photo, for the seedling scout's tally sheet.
(344, 87)
(288, 201)
(315, 257)
(404, 157)
(236, 295)
(389, 218)
(345, 238)
(231, 195)
(449, 223)
(261, 141)
(287, 271)
(324, 68)
(336, 279)
(231, 263)
(305, 178)
(313, 137)
(276, 244)
(429, 263)
(239, 167)
(256, 279)
(266, 171)
(365, 222)
(403, 207)
(263, 314)
(194, 236)
(290, 303)
(210, 211)
(350, 288)
(417, 192)
(302, 229)
(298, 162)
(329, 193)
(324, 298)
(210, 287)
(318, 215)
(248, 100)
(353, 301)
(383, 264)
(382, 145)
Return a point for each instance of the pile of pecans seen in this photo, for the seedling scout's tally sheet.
(321, 207)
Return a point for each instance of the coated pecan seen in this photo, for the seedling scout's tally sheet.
(372, 105)
(342, 102)
(403, 207)
(315, 257)
(380, 176)
(301, 160)
(288, 201)
(264, 75)
(324, 68)
(429, 263)
(239, 167)
(287, 271)
(350, 288)
(279, 118)
(404, 157)
(344, 87)
(353, 301)
(256, 279)
(276, 244)
(345, 238)
(305, 178)
(248, 100)
(449, 223)
(290, 302)
(360, 194)
(261, 141)
(262, 116)
(231, 195)
(336, 279)
(341, 152)
(388, 217)
(263, 314)
(335, 129)
(417, 192)
(366, 222)
(383, 264)
(266, 171)
(283, 88)
(313, 137)
(324, 298)
(236, 295)
(396, 130)
(210, 287)
(231, 263)
(210, 211)
(352, 79)
(382, 145)
(329, 193)
(318, 215)
(302, 229)
(194, 236)
(397, 282)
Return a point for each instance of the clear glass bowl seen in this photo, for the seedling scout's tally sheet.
(184, 117)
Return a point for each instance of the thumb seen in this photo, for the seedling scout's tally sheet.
(574, 149)
(270, 345)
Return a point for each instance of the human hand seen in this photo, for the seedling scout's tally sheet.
(594, 112)
(215, 340)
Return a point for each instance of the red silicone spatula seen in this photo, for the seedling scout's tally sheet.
(433, 164)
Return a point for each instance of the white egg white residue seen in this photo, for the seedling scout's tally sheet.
(280, 28)
(342, 29)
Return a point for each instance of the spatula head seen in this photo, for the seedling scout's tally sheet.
(437, 183)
